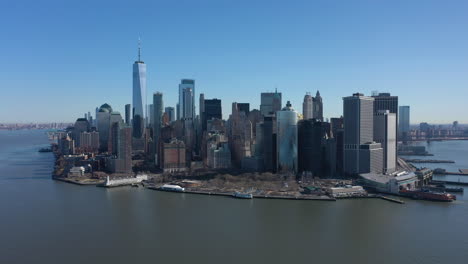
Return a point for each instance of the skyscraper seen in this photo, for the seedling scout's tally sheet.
(212, 109)
(310, 146)
(286, 139)
(318, 107)
(170, 113)
(186, 104)
(308, 107)
(270, 103)
(384, 133)
(127, 114)
(157, 123)
(404, 121)
(103, 125)
(361, 155)
(386, 101)
(139, 96)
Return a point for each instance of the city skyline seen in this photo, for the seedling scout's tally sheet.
(257, 55)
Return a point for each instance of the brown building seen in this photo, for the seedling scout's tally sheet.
(174, 156)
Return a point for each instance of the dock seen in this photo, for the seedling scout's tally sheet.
(428, 161)
(449, 182)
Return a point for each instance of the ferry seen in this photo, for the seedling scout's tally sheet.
(428, 195)
(172, 188)
(242, 195)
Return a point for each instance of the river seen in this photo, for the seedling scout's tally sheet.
(46, 221)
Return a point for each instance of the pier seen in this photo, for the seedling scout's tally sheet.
(428, 161)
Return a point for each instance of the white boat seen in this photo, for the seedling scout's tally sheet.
(242, 195)
(172, 188)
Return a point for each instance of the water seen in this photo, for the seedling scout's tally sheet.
(45, 221)
(456, 150)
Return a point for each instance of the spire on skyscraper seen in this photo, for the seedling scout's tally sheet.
(139, 49)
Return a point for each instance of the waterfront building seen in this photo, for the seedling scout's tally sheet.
(139, 96)
(318, 107)
(358, 114)
(170, 113)
(121, 159)
(158, 106)
(308, 107)
(81, 125)
(404, 121)
(385, 134)
(174, 156)
(115, 121)
(265, 144)
(270, 103)
(103, 125)
(66, 145)
(286, 139)
(311, 146)
(128, 114)
(186, 104)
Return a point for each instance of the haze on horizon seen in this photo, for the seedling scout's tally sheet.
(62, 59)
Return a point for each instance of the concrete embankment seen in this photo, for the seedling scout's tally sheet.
(79, 181)
(230, 194)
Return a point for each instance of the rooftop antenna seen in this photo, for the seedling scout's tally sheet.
(139, 49)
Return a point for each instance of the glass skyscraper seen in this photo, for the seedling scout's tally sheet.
(139, 96)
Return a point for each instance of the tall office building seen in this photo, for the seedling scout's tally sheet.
(121, 161)
(311, 136)
(115, 121)
(318, 107)
(186, 104)
(157, 123)
(386, 101)
(244, 107)
(81, 125)
(384, 133)
(361, 154)
(170, 113)
(308, 107)
(103, 125)
(139, 96)
(240, 135)
(212, 109)
(128, 112)
(404, 121)
(286, 139)
(270, 103)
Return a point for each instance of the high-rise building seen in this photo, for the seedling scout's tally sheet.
(157, 123)
(404, 121)
(103, 125)
(121, 161)
(128, 112)
(139, 96)
(311, 146)
(318, 107)
(115, 121)
(308, 107)
(212, 109)
(386, 101)
(240, 135)
(270, 103)
(186, 104)
(174, 156)
(384, 133)
(170, 113)
(81, 125)
(286, 139)
(358, 114)
(244, 107)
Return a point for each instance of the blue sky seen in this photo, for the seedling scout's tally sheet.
(59, 59)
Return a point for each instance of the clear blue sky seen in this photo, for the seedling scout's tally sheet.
(59, 59)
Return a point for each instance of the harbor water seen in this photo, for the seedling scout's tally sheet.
(47, 221)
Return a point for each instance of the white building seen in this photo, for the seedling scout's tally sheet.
(385, 134)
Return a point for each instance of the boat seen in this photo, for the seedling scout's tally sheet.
(429, 195)
(172, 188)
(45, 150)
(242, 195)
